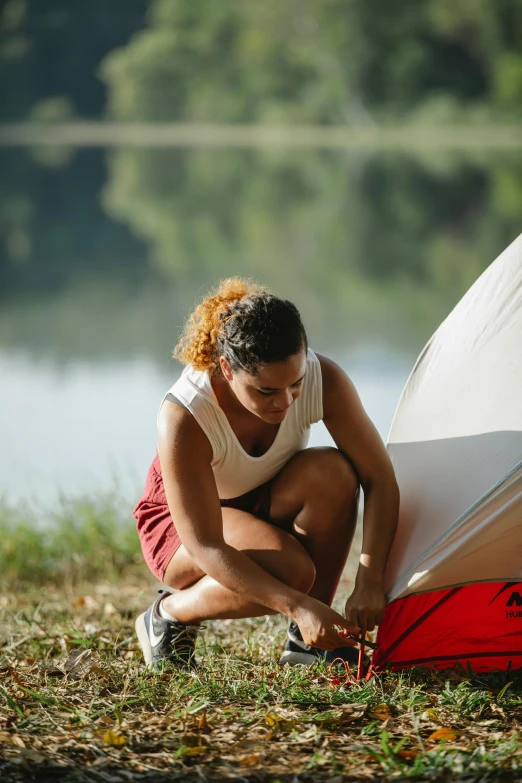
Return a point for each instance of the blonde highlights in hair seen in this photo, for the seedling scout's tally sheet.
(198, 345)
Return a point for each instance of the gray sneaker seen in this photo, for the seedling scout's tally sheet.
(297, 651)
(166, 641)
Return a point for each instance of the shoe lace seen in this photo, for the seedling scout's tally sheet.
(186, 634)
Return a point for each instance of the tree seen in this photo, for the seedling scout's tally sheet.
(51, 49)
(330, 62)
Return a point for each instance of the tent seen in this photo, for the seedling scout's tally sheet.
(453, 579)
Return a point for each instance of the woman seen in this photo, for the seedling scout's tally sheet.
(237, 514)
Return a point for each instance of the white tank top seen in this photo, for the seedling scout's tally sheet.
(235, 471)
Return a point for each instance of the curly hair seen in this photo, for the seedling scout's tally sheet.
(243, 322)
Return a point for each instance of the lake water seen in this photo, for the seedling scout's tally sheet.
(104, 254)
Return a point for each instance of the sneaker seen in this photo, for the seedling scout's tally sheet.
(297, 651)
(166, 641)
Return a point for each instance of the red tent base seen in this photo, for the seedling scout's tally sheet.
(477, 626)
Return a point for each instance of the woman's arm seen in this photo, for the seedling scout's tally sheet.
(185, 456)
(356, 436)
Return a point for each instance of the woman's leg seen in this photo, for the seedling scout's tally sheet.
(318, 491)
(200, 597)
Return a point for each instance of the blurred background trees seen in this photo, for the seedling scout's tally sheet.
(379, 217)
(318, 62)
(331, 62)
(51, 51)
(103, 250)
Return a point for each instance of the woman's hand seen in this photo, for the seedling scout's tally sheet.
(316, 622)
(366, 604)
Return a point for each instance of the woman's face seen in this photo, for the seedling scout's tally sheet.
(272, 390)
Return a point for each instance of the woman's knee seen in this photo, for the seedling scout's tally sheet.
(274, 549)
(320, 475)
(332, 470)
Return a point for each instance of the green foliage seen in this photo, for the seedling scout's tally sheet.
(51, 50)
(391, 241)
(508, 81)
(227, 61)
(52, 228)
(198, 60)
(80, 539)
(357, 228)
(333, 62)
(465, 699)
(415, 230)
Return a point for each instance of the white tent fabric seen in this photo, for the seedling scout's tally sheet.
(456, 444)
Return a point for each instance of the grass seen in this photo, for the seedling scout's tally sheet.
(77, 704)
(81, 539)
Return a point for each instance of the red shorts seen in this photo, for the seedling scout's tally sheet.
(158, 535)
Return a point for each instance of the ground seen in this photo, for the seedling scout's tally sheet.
(77, 704)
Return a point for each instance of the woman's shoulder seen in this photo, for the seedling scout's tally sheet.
(309, 406)
(332, 379)
(193, 386)
(331, 372)
(202, 413)
(179, 428)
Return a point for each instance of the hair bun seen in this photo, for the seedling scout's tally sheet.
(197, 345)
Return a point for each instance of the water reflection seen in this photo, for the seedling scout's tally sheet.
(86, 426)
(103, 256)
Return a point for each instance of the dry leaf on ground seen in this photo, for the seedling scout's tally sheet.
(443, 734)
(113, 738)
(380, 712)
(247, 761)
